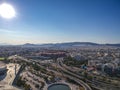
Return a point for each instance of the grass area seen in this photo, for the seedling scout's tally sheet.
(1, 58)
(70, 61)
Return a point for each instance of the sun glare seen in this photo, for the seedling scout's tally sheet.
(7, 11)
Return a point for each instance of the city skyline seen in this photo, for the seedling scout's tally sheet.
(46, 21)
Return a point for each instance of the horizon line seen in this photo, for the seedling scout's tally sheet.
(57, 43)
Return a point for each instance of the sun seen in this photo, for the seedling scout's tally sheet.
(7, 11)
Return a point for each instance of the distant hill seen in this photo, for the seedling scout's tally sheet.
(78, 44)
(29, 44)
(117, 45)
(69, 44)
(37, 45)
(66, 44)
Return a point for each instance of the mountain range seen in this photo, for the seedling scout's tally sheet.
(69, 44)
(66, 44)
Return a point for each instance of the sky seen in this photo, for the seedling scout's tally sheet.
(56, 21)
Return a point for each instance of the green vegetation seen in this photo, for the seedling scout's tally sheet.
(71, 81)
(42, 85)
(21, 83)
(69, 61)
(1, 58)
(38, 68)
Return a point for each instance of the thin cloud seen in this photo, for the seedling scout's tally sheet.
(7, 31)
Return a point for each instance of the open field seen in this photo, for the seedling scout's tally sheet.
(1, 58)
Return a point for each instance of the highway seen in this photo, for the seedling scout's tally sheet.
(71, 76)
(76, 77)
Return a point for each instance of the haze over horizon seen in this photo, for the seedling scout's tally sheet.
(56, 21)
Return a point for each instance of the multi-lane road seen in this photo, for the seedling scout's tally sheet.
(74, 76)
(69, 75)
